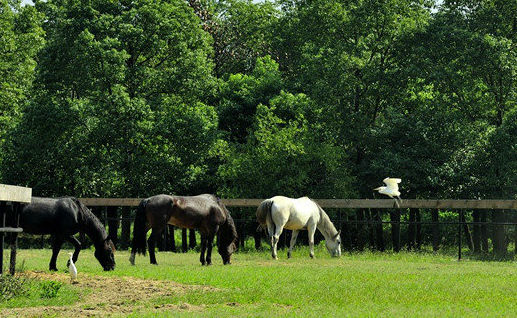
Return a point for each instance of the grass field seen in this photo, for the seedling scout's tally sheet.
(365, 284)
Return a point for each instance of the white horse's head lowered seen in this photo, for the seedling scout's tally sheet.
(333, 245)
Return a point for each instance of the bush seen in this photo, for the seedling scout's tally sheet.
(12, 286)
(49, 289)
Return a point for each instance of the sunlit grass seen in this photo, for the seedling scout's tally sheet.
(362, 284)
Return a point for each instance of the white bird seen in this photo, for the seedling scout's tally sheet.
(72, 269)
(391, 189)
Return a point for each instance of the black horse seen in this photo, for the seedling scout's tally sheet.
(62, 218)
(205, 213)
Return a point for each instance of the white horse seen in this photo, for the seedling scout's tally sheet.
(297, 214)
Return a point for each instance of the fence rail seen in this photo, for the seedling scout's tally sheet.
(343, 203)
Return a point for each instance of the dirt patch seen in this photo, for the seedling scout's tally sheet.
(106, 296)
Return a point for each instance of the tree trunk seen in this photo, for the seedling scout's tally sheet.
(395, 229)
(360, 229)
(418, 229)
(347, 237)
(126, 227)
(113, 223)
(436, 230)
(476, 233)
(371, 228)
(499, 233)
(468, 236)
(379, 232)
(484, 230)
(411, 230)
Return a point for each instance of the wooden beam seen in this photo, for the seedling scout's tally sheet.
(343, 203)
(11, 229)
(110, 201)
(15, 193)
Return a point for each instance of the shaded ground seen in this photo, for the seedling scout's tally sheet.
(106, 296)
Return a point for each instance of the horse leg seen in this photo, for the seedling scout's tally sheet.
(209, 243)
(294, 235)
(75, 242)
(275, 239)
(203, 249)
(151, 243)
(311, 230)
(56, 247)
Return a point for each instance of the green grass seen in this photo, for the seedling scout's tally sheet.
(365, 284)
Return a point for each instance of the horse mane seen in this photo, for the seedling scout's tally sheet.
(325, 224)
(90, 224)
(227, 233)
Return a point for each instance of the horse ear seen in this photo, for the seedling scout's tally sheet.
(337, 234)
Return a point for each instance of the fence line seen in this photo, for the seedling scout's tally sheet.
(344, 203)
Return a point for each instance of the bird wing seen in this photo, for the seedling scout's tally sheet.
(392, 183)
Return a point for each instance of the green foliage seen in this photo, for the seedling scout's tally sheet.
(320, 98)
(21, 36)
(12, 286)
(49, 289)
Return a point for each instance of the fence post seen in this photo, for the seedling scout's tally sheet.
(395, 229)
(460, 218)
(14, 241)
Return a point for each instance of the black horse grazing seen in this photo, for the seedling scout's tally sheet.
(62, 218)
(205, 213)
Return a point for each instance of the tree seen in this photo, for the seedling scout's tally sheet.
(21, 36)
(115, 83)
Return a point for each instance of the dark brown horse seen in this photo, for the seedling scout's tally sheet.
(204, 212)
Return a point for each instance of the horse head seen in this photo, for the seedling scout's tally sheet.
(227, 239)
(333, 244)
(105, 254)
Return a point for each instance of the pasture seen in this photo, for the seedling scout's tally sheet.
(362, 284)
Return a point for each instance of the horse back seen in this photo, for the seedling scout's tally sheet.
(294, 213)
(50, 216)
(193, 212)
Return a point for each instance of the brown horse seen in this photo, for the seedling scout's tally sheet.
(204, 212)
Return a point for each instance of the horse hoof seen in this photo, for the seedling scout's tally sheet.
(53, 269)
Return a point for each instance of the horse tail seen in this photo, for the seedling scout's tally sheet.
(264, 214)
(139, 243)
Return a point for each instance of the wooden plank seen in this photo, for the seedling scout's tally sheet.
(15, 193)
(343, 203)
(110, 201)
(11, 229)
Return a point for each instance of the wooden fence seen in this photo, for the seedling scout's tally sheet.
(368, 218)
(343, 203)
(16, 195)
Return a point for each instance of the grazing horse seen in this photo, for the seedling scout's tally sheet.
(297, 214)
(62, 218)
(205, 213)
